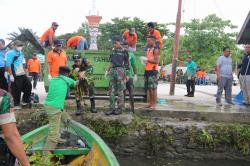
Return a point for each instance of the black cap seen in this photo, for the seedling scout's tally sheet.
(76, 57)
(151, 25)
(58, 43)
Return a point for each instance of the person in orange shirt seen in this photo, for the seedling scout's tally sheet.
(49, 37)
(151, 71)
(34, 69)
(153, 32)
(199, 77)
(56, 58)
(131, 37)
(77, 42)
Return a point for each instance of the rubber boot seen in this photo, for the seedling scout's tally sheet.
(110, 111)
(79, 108)
(132, 107)
(117, 112)
(92, 102)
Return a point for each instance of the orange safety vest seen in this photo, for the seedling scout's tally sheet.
(150, 55)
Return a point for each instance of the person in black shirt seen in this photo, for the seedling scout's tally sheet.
(245, 76)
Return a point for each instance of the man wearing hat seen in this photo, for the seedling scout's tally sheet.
(131, 37)
(19, 80)
(191, 75)
(153, 32)
(49, 37)
(56, 58)
(117, 74)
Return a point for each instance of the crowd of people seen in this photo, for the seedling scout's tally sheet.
(121, 74)
(202, 77)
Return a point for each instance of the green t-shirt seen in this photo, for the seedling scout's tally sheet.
(132, 63)
(191, 66)
(57, 91)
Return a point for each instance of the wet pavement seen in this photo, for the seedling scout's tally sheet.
(204, 100)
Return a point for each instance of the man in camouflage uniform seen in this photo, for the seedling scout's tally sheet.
(117, 72)
(86, 85)
(88, 81)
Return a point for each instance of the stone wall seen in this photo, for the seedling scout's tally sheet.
(158, 137)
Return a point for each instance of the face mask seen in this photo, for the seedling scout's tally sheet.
(19, 48)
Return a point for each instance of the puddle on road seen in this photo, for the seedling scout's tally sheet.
(189, 106)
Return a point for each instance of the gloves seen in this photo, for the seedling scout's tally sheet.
(12, 78)
(135, 78)
(76, 69)
(6, 75)
(143, 59)
(106, 74)
(49, 77)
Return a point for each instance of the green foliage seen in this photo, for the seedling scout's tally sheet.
(206, 138)
(235, 135)
(204, 40)
(38, 159)
(110, 129)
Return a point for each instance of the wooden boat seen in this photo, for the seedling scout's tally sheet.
(94, 152)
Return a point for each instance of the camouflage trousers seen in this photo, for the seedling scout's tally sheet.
(57, 119)
(84, 89)
(117, 85)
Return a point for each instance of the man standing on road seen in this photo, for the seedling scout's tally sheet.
(8, 125)
(191, 75)
(151, 71)
(224, 76)
(130, 37)
(56, 58)
(245, 76)
(19, 81)
(34, 69)
(3, 80)
(77, 42)
(49, 37)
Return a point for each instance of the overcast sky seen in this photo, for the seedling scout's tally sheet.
(38, 14)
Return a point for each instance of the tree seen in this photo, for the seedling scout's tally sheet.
(204, 40)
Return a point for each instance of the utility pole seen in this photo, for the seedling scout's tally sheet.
(176, 49)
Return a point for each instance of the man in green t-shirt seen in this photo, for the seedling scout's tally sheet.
(191, 75)
(132, 79)
(54, 105)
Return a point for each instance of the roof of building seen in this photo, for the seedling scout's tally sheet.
(244, 35)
